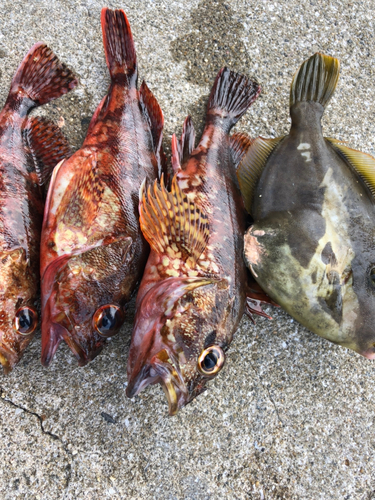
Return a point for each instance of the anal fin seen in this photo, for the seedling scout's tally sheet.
(170, 221)
(252, 165)
(182, 148)
(154, 114)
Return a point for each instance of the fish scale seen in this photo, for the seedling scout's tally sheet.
(92, 249)
(29, 149)
(193, 291)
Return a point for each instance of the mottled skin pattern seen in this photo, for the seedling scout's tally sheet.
(21, 213)
(311, 247)
(208, 314)
(23, 143)
(93, 252)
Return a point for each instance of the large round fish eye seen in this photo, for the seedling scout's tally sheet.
(25, 320)
(108, 320)
(211, 361)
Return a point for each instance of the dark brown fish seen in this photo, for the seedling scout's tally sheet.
(311, 247)
(29, 149)
(193, 292)
(92, 250)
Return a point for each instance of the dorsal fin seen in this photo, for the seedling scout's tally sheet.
(315, 80)
(252, 165)
(169, 219)
(48, 146)
(154, 114)
(362, 163)
(239, 145)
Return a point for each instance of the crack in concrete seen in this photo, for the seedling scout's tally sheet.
(274, 405)
(55, 437)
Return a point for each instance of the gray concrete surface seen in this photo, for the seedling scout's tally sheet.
(291, 416)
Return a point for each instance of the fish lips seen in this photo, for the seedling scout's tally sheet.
(167, 374)
(53, 333)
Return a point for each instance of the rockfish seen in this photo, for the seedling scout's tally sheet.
(311, 247)
(92, 250)
(29, 150)
(193, 292)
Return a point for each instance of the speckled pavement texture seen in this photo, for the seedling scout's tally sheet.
(291, 416)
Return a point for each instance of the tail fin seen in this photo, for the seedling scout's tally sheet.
(119, 45)
(315, 80)
(41, 76)
(231, 95)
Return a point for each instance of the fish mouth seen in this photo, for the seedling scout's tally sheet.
(54, 333)
(166, 373)
(369, 354)
(8, 358)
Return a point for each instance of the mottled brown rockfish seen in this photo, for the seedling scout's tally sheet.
(92, 251)
(312, 244)
(193, 292)
(30, 147)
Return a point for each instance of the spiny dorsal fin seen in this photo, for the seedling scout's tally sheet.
(239, 145)
(48, 146)
(169, 219)
(315, 80)
(362, 163)
(252, 165)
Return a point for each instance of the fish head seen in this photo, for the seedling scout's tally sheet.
(179, 338)
(327, 283)
(83, 299)
(18, 314)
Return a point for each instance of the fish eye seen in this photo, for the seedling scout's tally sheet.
(25, 320)
(211, 361)
(108, 320)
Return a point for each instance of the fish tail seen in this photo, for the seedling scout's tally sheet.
(316, 80)
(41, 76)
(231, 95)
(119, 46)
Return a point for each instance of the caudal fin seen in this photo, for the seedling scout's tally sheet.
(41, 76)
(231, 95)
(119, 46)
(315, 80)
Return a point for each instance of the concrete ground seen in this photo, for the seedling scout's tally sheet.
(291, 416)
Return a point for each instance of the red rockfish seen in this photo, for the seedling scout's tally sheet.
(92, 250)
(29, 150)
(193, 292)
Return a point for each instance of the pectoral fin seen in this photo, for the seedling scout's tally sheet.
(170, 220)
